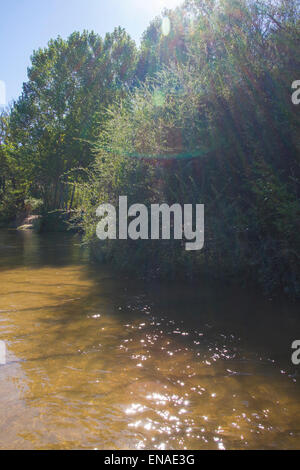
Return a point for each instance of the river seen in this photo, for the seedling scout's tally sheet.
(96, 361)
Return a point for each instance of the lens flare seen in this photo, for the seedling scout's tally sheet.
(166, 26)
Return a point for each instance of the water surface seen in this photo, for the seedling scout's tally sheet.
(98, 362)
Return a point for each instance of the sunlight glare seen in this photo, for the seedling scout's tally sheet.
(156, 7)
(166, 3)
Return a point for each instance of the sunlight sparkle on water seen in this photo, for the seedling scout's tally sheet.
(135, 408)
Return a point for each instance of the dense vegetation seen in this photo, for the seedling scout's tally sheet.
(200, 113)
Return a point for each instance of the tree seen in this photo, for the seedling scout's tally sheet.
(218, 128)
(63, 107)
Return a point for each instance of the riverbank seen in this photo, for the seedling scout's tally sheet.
(53, 221)
(152, 263)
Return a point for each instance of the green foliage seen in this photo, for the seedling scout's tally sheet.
(63, 106)
(34, 206)
(217, 128)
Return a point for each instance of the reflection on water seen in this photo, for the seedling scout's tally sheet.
(99, 362)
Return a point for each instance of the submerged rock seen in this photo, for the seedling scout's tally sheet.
(32, 222)
(25, 227)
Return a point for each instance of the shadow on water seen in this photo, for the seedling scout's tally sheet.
(27, 248)
(96, 361)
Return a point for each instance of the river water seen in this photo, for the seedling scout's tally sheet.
(95, 361)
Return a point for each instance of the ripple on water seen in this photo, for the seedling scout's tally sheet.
(92, 365)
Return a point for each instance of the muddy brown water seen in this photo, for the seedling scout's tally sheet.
(99, 362)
